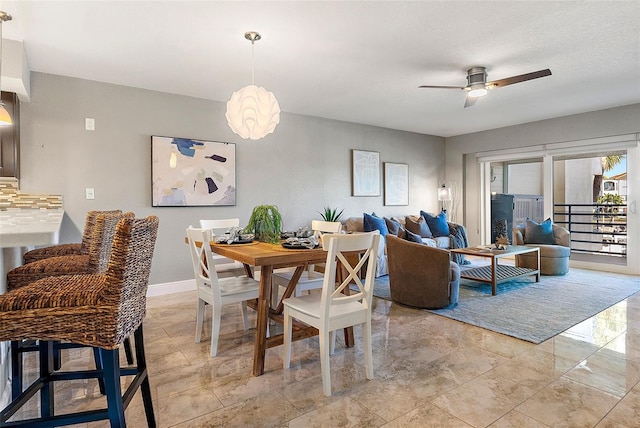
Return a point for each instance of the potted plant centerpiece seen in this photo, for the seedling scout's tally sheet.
(265, 223)
(331, 214)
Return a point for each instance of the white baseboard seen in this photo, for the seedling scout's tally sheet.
(171, 287)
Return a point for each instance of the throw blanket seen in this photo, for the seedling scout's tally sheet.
(458, 238)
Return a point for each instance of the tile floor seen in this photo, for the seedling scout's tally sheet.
(430, 371)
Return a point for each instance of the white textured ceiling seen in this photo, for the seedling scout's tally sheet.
(353, 61)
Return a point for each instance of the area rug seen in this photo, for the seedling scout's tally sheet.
(534, 311)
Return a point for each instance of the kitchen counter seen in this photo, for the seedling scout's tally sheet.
(29, 227)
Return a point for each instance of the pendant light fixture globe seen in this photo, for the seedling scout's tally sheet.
(252, 111)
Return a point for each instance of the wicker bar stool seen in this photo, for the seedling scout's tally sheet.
(98, 310)
(103, 231)
(71, 249)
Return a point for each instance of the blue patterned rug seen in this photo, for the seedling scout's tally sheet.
(534, 311)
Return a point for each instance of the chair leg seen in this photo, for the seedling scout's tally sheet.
(16, 368)
(145, 388)
(288, 331)
(46, 351)
(245, 316)
(215, 327)
(332, 339)
(127, 350)
(324, 362)
(97, 358)
(368, 348)
(57, 356)
(111, 370)
(199, 319)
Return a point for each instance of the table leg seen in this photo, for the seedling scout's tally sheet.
(538, 265)
(494, 263)
(264, 299)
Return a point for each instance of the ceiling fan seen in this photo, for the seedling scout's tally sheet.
(477, 84)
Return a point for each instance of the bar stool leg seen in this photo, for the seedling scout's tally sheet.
(46, 352)
(111, 369)
(145, 388)
(127, 350)
(16, 369)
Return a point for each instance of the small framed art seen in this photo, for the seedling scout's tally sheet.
(365, 173)
(396, 183)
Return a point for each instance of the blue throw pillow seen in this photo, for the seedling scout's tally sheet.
(372, 222)
(539, 233)
(438, 224)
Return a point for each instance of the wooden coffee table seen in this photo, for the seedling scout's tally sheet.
(496, 273)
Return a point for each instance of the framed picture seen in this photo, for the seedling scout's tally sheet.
(189, 173)
(396, 183)
(366, 173)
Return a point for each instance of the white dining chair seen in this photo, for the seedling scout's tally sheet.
(213, 290)
(219, 227)
(331, 310)
(310, 279)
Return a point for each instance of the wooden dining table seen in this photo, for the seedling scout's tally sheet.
(269, 257)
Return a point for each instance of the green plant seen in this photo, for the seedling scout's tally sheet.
(330, 214)
(265, 223)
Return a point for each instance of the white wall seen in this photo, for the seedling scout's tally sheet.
(460, 150)
(303, 166)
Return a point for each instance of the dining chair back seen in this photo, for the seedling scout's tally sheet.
(336, 307)
(217, 227)
(310, 279)
(214, 290)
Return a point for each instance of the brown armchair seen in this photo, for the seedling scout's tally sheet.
(421, 276)
(554, 258)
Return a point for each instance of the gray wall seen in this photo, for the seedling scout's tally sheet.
(461, 165)
(303, 166)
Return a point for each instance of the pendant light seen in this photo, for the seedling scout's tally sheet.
(5, 117)
(253, 112)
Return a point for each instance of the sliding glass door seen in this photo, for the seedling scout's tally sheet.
(590, 188)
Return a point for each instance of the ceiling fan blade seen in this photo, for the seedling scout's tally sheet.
(518, 79)
(469, 101)
(441, 87)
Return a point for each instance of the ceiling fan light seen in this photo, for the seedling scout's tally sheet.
(5, 117)
(477, 91)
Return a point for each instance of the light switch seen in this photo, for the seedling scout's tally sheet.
(90, 193)
(89, 124)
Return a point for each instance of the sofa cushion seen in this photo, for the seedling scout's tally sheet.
(430, 242)
(418, 226)
(407, 235)
(354, 224)
(443, 242)
(392, 225)
(437, 224)
(372, 222)
(539, 233)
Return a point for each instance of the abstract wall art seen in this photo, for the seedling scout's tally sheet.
(187, 172)
(366, 173)
(396, 183)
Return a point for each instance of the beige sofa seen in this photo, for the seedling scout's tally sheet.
(356, 224)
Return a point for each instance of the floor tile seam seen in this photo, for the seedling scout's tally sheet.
(566, 377)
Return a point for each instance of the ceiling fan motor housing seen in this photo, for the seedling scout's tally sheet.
(477, 75)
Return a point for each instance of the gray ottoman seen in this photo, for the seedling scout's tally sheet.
(554, 259)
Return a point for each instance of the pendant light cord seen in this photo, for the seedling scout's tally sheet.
(253, 64)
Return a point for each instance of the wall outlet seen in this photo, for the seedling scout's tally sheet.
(90, 194)
(89, 124)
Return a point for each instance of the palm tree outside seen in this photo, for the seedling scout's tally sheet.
(607, 163)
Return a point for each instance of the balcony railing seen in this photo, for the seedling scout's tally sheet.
(595, 228)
